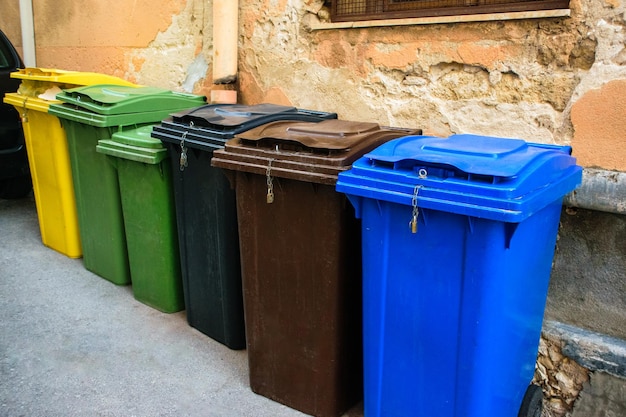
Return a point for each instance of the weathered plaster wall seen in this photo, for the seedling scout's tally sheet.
(552, 80)
(516, 78)
(178, 57)
(98, 36)
(599, 120)
(10, 22)
(160, 43)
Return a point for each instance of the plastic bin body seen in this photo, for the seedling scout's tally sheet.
(98, 203)
(48, 153)
(145, 186)
(302, 282)
(51, 175)
(209, 248)
(206, 212)
(94, 175)
(452, 314)
(300, 260)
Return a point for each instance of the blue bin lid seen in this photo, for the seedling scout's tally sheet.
(211, 125)
(496, 178)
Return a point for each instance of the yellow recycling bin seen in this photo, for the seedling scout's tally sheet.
(48, 155)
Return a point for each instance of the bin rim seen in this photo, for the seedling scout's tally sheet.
(53, 75)
(139, 137)
(193, 139)
(214, 137)
(472, 154)
(21, 102)
(111, 99)
(71, 113)
(218, 117)
(547, 175)
(116, 149)
(314, 158)
(327, 135)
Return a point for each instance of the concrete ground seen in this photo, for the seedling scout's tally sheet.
(73, 344)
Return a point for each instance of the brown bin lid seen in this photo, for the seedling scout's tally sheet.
(307, 151)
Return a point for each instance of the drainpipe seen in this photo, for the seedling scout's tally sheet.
(601, 190)
(225, 33)
(28, 33)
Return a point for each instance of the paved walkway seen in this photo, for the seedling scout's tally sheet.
(73, 344)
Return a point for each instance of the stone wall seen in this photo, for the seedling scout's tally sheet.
(582, 373)
(159, 43)
(560, 378)
(551, 80)
(524, 78)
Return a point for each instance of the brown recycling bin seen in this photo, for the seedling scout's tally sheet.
(301, 259)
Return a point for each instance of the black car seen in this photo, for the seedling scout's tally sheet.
(15, 180)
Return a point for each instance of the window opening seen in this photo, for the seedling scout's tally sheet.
(354, 10)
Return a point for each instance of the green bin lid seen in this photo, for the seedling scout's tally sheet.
(71, 113)
(109, 99)
(135, 145)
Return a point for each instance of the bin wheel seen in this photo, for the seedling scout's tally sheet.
(532, 404)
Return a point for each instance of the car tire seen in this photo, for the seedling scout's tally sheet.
(13, 188)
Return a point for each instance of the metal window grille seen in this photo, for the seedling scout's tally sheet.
(350, 10)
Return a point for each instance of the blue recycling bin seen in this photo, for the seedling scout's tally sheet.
(458, 236)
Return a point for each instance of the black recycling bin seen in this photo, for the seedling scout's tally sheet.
(206, 213)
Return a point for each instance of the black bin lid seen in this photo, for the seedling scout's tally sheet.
(208, 127)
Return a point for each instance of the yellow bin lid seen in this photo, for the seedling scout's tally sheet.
(36, 81)
(21, 102)
(59, 76)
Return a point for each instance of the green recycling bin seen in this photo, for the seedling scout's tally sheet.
(94, 113)
(145, 186)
